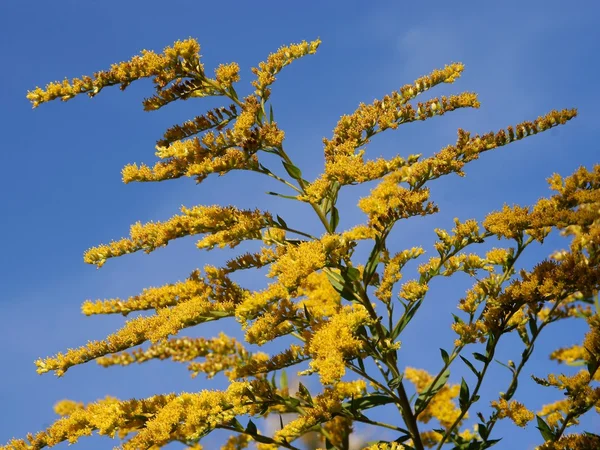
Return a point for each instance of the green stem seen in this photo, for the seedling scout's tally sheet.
(405, 408)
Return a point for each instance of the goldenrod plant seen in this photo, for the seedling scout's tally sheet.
(342, 319)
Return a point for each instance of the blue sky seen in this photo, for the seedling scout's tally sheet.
(62, 193)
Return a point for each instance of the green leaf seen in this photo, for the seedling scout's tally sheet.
(335, 219)
(483, 431)
(283, 380)
(262, 439)
(480, 357)
(533, 327)
(504, 365)
(513, 388)
(463, 397)
(236, 424)
(470, 366)
(292, 170)
(271, 116)
(545, 430)
(540, 381)
(281, 221)
(405, 319)
(402, 439)
(395, 382)
(490, 346)
(367, 402)
(492, 442)
(307, 313)
(305, 393)
(352, 273)
(343, 287)
(289, 197)
(430, 391)
(592, 366)
(445, 356)
(372, 262)
(361, 363)
(251, 428)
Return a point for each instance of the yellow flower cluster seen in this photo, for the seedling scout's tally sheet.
(452, 158)
(584, 441)
(343, 165)
(548, 281)
(431, 438)
(554, 412)
(166, 322)
(338, 429)
(305, 258)
(227, 74)
(334, 341)
(260, 363)
(196, 165)
(581, 394)
(238, 442)
(392, 272)
(390, 202)
(220, 353)
(320, 298)
(569, 355)
(253, 303)
(469, 333)
(226, 225)
(109, 417)
(221, 152)
(252, 260)
(385, 446)
(266, 71)
(324, 406)
(215, 118)
(277, 320)
(150, 298)
(413, 290)
(441, 406)
(514, 410)
(190, 415)
(172, 63)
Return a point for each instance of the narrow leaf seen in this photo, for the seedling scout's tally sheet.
(545, 430)
(292, 170)
(395, 382)
(445, 356)
(480, 357)
(483, 431)
(353, 273)
(470, 366)
(289, 197)
(281, 221)
(430, 391)
(463, 397)
(335, 218)
(305, 393)
(251, 428)
(406, 318)
(367, 402)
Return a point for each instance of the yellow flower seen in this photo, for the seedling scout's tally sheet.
(266, 71)
(516, 411)
(334, 341)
